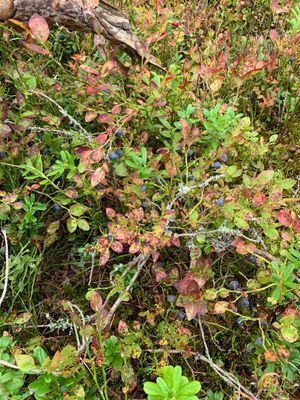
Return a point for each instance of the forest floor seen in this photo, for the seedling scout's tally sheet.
(150, 218)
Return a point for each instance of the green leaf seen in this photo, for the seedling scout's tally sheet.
(152, 389)
(121, 169)
(77, 210)
(287, 183)
(190, 388)
(40, 386)
(4, 342)
(24, 362)
(40, 354)
(83, 224)
(289, 333)
(71, 224)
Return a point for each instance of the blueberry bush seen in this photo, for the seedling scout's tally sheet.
(149, 216)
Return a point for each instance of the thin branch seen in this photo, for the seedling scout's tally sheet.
(92, 269)
(64, 113)
(227, 377)
(6, 267)
(142, 260)
(8, 364)
(184, 189)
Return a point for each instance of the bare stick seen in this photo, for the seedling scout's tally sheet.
(63, 112)
(141, 262)
(6, 268)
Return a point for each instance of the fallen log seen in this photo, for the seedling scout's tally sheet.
(82, 15)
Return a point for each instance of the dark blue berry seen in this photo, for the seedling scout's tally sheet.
(217, 165)
(2, 154)
(187, 36)
(119, 133)
(62, 36)
(280, 32)
(234, 285)
(220, 202)
(107, 91)
(56, 207)
(190, 152)
(99, 186)
(224, 157)
(113, 156)
(245, 302)
(181, 315)
(264, 323)
(249, 94)
(251, 258)
(45, 150)
(120, 153)
(145, 204)
(143, 188)
(184, 177)
(292, 59)
(171, 298)
(240, 320)
(191, 177)
(259, 341)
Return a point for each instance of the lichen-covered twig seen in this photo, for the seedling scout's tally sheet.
(184, 189)
(6, 274)
(140, 261)
(64, 113)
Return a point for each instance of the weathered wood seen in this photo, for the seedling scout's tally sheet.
(82, 15)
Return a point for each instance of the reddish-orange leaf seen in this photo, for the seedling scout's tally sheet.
(39, 27)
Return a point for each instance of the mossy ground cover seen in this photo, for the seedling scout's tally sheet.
(152, 216)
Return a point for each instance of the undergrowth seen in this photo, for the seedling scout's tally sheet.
(150, 218)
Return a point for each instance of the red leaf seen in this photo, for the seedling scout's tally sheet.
(296, 225)
(193, 309)
(109, 66)
(90, 116)
(96, 302)
(259, 199)
(273, 35)
(39, 27)
(160, 274)
(134, 248)
(117, 247)
(110, 213)
(98, 177)
(101, 138)
(104, 257)
(105, 119)
(36, 48)
(284, 218)
(221, 307)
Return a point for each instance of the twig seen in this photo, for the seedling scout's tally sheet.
(222, 230)
(227, 377)
(183, 189)
(132, 263)
(64, 113)
(80, 346)
(203, 339)
(141, 262)
(8, 364)
(6, 267)
(92, 268)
